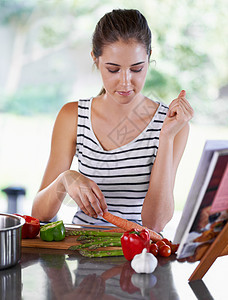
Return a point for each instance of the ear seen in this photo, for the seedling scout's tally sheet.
(94, 58)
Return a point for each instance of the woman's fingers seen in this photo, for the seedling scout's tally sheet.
(180, 112)
(180, 105)
(175, 103)
(182, 94)
(187, 109)
(100, 197)
(82, 206)
(85, 193)
(89, 202)
(94, 203)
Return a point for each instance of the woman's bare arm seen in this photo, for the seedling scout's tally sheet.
(59, 179)
(52, 191)
(158, 205)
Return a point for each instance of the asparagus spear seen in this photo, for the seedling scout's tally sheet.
(103, 253)
(106, 244)
(94, 244)
(83, 238)
(90, 239)
(93, 233)
(77, 247)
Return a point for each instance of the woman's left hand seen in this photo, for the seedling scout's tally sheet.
(179, 114)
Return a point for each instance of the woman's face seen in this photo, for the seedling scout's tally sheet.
(123, 67)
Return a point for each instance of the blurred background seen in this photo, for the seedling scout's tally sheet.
(45, 62)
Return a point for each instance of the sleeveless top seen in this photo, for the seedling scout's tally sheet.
(122, 174)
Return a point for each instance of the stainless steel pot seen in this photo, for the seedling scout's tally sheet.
(10, 239)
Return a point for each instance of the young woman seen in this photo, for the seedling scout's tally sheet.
(128, 146)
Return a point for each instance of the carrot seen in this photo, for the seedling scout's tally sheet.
(128, 225)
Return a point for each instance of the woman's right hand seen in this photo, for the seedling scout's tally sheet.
(85, 193)
(179, 114)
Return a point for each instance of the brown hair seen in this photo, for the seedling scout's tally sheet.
(121, 24)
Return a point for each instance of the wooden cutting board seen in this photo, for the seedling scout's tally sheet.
(38, 243)
(64, 244)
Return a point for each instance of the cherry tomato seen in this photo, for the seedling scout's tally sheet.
(160, 243)
(174, 248)
(167, 242)
(165, 250)
(154, 249)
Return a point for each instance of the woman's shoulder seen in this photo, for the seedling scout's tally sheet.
(67, 116)
(69, 108)
(74, 106)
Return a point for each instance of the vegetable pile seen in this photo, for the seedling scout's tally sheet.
(133, 240)
(128, 239)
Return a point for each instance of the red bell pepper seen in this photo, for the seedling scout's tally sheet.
(133, 242)
(31, 227)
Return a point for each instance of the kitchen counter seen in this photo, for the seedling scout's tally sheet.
(61, 274)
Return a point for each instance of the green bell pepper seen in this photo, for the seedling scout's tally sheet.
(54, 231)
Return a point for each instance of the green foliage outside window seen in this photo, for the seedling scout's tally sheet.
(190, 50)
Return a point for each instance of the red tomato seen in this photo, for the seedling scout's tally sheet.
(167, 242)
(160, 243)
(164, 250)
(174, 248)
(154, 249)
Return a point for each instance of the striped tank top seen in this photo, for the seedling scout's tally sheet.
(122, 174)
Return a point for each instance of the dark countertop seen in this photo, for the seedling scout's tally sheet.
(57, 274)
